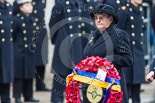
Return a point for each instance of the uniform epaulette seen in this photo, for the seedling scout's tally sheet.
(123, 7)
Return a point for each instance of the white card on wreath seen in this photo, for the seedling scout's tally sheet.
(101, 75)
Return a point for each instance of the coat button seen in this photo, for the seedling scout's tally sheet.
(11, 22)
(133, 42)
(131, 17)
(11, 30)
(34, 24)
(142, 17)
(132, 26)
(91, 23)
(26, 46)
(141, 42)
(68, 10)
(67, 2)
(79, 10)
(80, 18)
(35, 11)
(37, 28)
(90, 7)
(130, 9)
(34, 45)
(0, 13)
(25, 38)
(118, 1)
(69, 18)
(33, 3)
(95, 0)
(44, 26)
(141, 8)
(34, 31)
(142, 26)
(2, 31)
(43, 1)
(70, 27)
(83, 32)
(23, 25)
(11, 39)
(18, 15)
(79, 26)
(36, 19)
(22, 18)
(82, 24)
(24, 31)
(3, 39)
(142, 34)
(71, 35)
(10, 12)
(88, 0)
(1, 22)
(127, 4)
(133, 34)
(79, 34)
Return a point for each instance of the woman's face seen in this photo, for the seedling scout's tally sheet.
(102, 21)
(27, 8)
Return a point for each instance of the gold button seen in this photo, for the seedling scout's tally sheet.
(11, 30)
(79, 10)
(69, 18)
(68, 10)
(79, 26)
(34, 45)
(11, 22)
(91, 23)
(34, 24)
(142, 34)
(141, 42)
(70, 27)
(83, 32)
(79, 34)
(33, 3)
(133, 34)
(95, 0)
(23, 24)
(36, 19)
(90, 7)
(127, 4)
(11, 39)
(34, 31)
(83, 24)
(25, 38)
(35, 11)
(118, 1)
(22, 18)
(2, 31)
(10, 12)
(18, 15)
(7, 4)
(24, 31)
(88, 0)
(131, 17)
(37, 28)
(142, 17)
(44, 26)
(43, 1)
(0, 13)
(26, 46)
(1, 22)
(71, 35)
(80, 18)
(142, 26)
(141, 8)
(67, 2)
(132, 26)
(3, 39)
(130, 9)
(133, 42)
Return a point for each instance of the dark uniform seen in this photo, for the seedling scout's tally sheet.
(6, 51)
(69, 25)
(24, 57)
(42, 42)
(153, 17)
(131, 20)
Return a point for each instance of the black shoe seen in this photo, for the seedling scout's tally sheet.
(18, 100)
(31, 99)
(43, 89)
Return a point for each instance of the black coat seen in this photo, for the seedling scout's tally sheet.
(153, 17)
(113, 45)
(41, 31)
(70, 25)
(24, 46)
(131, 20)
(6, 44)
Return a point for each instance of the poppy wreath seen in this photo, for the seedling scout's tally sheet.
(85, 72)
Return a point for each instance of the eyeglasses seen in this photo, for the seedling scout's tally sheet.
(100, 18)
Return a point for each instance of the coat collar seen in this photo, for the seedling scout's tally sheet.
(105, 35)
(28, 19)
(135, 9)
(3, 5)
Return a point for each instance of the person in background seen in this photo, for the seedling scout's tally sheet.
(131, 20)
(6, 51)
(24, 39)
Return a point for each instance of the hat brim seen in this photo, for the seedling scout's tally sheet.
(115, 16)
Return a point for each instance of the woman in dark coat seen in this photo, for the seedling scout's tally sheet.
(109, 42)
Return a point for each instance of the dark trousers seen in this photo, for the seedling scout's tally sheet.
(23, 86)
(58, 88)
(134, 92)
(40, 71)
(5, 93)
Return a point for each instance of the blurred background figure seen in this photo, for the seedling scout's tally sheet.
(6, 51)
(24, 52)
(131, 20)
(70, 25)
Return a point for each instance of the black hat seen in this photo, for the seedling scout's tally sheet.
(107, 9)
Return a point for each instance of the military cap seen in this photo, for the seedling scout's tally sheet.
(23, 1)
